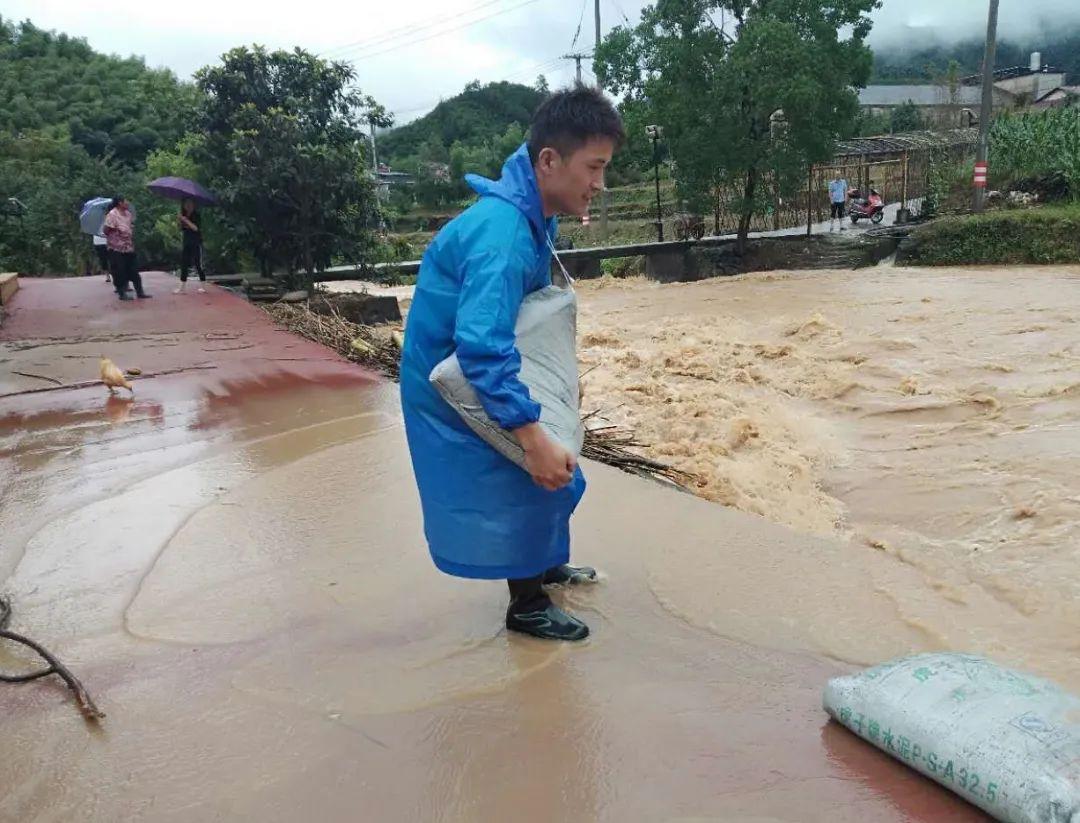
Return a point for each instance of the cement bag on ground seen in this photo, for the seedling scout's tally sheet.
(1005, 741)
(546, 332)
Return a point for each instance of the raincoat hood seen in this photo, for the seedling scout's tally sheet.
(518, 187)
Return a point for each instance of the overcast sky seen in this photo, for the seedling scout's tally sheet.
(421, 51)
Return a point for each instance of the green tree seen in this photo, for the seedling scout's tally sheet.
(509, 142)
(160, 218)
(637, 154)
(541, 85)
(112, 107)
(872, 125)
(750, 108)
(905, 117)
(287, 155)
(459, 161)
(376, 114)
(433, 151)
(474, 117)
(52, 178)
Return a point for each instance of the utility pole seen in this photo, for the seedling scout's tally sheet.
(654, 133)
(577, 58)
(987, 106)
(374, 159)
(374, 164)
(604, 193)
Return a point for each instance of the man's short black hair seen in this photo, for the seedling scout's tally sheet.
(571, 117)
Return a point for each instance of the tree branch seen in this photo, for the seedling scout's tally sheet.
(82, 698)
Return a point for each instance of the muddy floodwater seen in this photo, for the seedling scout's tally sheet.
(232, 559)
(927, 416)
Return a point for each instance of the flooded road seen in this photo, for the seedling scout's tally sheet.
(929, 417)
(232, 562)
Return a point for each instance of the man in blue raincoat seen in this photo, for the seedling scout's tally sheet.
(484, 517)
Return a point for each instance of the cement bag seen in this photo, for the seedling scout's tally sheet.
(546, 333)
(1005, 741)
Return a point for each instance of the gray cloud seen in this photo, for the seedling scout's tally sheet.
(411, 77)
(901, 23)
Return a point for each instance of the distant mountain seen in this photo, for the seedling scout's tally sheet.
(929, 60)
(476, 116)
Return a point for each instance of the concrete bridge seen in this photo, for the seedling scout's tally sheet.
(670, 261)
(667, 261)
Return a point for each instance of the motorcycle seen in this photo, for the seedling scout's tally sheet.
(870, 208)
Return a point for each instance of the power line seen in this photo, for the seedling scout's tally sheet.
(406, 30)
(618, 8)
(445, 31)
(539, 68)
(417, 41)
(577, 32)
(398, 112)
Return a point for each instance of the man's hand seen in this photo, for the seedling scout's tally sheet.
(550, 465)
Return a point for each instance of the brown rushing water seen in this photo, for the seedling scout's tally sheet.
(929, 415)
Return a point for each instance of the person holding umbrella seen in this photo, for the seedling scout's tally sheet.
(91, 222)
(190, 194)
(191, 253)
(120, 236)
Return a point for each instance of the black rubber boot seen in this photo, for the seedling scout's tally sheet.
(542, 618)
(567, 574)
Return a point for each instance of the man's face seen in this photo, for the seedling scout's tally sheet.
(568, 184)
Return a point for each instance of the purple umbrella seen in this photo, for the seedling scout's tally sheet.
(179, 188)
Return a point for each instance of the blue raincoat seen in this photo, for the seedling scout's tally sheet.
(484, 517)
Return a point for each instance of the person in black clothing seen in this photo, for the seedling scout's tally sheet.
(191, 253)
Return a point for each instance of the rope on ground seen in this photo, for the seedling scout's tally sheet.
(82, 698)
(85, 384)
(39, 377)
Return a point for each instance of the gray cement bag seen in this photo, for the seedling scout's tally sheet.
(1005, 741)
(546, 332)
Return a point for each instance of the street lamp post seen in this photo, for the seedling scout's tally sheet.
(655, 133)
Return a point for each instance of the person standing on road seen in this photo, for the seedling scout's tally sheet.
(484, 516)
(120, 235)
(838, 191)
(191, 253)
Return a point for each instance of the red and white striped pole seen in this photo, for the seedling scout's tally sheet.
(980, 175)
